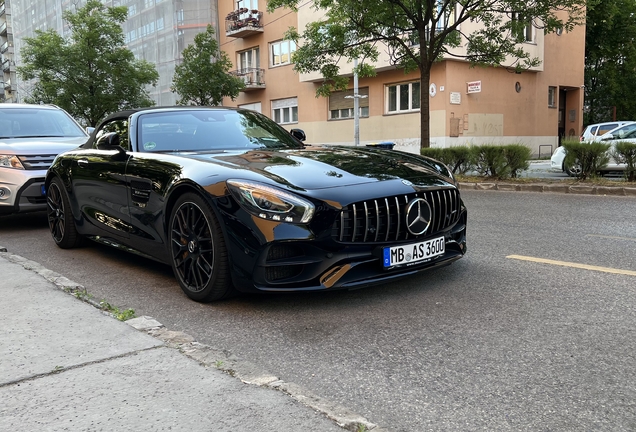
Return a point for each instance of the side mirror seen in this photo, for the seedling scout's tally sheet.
(89, 130)
(299, 134)
(109, 141)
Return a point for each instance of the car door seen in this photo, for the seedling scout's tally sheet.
(148, 176)
(99, 184)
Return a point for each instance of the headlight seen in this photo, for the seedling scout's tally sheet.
(271, 203)
(10, 161)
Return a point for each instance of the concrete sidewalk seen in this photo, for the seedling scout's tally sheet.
(66, 365)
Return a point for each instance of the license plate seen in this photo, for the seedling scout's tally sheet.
(414, 252)
(43, 189)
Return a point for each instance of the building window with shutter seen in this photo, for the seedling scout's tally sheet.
(285, 111)
(341, 104)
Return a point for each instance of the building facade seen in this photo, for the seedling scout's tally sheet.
(156, 30)
(9, 79)
(468, 106)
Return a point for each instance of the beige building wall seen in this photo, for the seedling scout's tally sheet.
(510, 108)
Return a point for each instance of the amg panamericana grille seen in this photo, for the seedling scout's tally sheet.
(383, 219)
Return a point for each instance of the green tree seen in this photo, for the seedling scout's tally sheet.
(418, 33)
(203, 78)
(91, 74)
(610, 61)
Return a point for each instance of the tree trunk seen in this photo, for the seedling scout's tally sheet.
(425, 115)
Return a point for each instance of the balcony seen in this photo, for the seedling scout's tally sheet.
(6, 65)
(3, 9)
(7, 84)
(253, 78)
(3, 29)
(4, 47)
(243, 22)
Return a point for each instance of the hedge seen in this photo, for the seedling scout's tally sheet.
(497, 161)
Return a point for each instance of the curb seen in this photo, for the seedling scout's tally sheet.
(552, 188)
(209, 357)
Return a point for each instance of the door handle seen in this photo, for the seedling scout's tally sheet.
(82, 163)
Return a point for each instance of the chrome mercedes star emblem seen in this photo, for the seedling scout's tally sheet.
(418, 216)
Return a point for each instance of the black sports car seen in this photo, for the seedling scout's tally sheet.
(235, 202)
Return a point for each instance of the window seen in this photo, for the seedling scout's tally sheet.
(118, 126)
(341, 104)
(247, 4)
(281, 51)
(256, 106)
(522, 28)
(403, 97)
(248, 59)
(285, 110)
(552, 98)
(445, 17)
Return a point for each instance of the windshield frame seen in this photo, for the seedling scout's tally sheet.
(200, 129)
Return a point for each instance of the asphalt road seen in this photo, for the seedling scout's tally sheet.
(489, 343)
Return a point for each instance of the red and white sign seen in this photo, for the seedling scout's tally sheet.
(473, 87)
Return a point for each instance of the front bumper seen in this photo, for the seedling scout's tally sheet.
(314, 265)
(21, 191)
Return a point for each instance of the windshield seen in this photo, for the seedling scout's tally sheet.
(37, 123)
(209, 129)
(624, 132)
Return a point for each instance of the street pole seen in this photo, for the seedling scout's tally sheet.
(356, 105)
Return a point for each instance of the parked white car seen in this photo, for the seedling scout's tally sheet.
(594, 131)
(31, 136)
(624, 132)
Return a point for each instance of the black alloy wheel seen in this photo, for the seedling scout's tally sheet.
(60, 217)
(197, 250)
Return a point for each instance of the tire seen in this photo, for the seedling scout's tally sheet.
(60, 216)
(197, 250)
(572, 171)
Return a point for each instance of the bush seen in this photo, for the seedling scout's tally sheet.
(517, 158)
(625, 152)
(457, 159)
(489, 161)
(436, 153)
(461, 159)
(585, 159)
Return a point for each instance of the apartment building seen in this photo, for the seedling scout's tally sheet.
(468, 106)
(9, 82)
(156, 30)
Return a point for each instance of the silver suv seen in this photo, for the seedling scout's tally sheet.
(30, 138)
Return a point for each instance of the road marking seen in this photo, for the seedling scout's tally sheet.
(610, 237)
(575, 265)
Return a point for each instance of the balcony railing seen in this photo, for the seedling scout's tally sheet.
(3, 9)
(6, 65)
(253, 78)
(243, 22)
(4, 47)
(3, 29)
(7, 84)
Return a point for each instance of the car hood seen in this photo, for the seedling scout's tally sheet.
(36, 146)
(327, 167)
